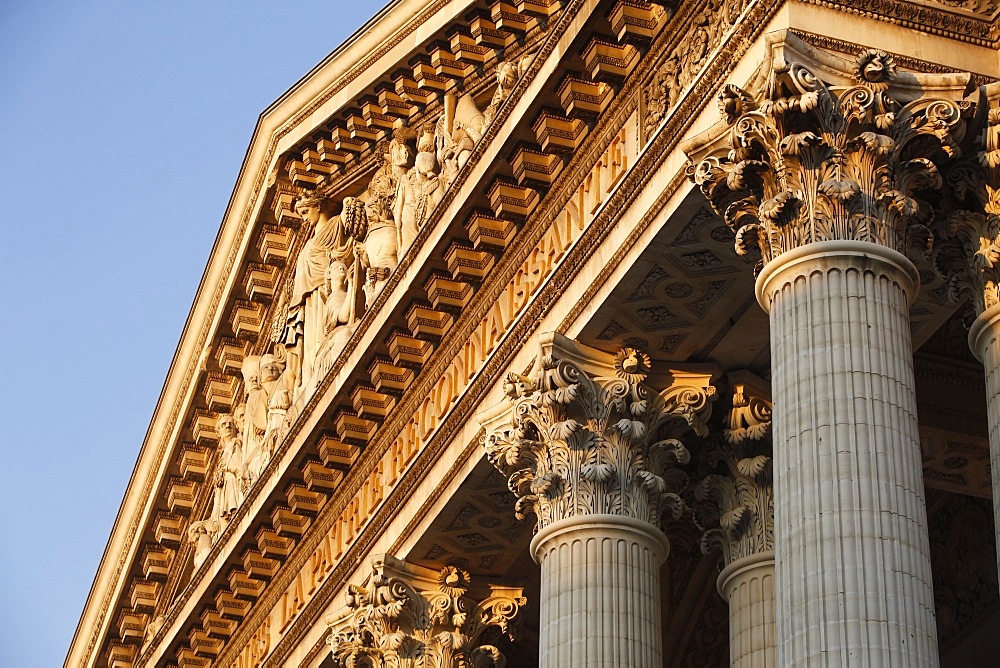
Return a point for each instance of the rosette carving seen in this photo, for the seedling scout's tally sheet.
(586, 434)
(818, 162)
(406, 616)
(735, 510)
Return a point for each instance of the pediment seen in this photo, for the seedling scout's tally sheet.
(392, 281)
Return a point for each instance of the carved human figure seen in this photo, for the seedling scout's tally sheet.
(337, 316)
(228, 494)
(381, 243)
(416, 196)
(202, 535)
(509, 73)
(279, 399)
(400, 153)
(303, 331)
(451, 146)
(261, 385)
(254, 419)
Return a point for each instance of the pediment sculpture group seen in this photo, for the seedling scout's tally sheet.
(352, 246)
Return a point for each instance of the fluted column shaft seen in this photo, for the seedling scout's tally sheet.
(984, 339)
(600, 592)
(747, 584)
(852, 566)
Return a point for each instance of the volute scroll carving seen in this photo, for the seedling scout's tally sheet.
(407, 616)
(817, 161)
(735, 510)
(969, 254)
(584, 434)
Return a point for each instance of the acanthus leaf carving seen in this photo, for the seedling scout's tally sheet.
(819, 161)
(968, 255)
(407, 616)
(585, 434)
(735, 509)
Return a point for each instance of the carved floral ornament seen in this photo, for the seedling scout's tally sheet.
(585, 434)
(736, 510)
(814, 161)
(969, 257)
(406, 616)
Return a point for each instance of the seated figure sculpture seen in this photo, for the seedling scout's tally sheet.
(338, 320)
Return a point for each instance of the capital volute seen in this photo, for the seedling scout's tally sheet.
(586, 433)
(967, 252)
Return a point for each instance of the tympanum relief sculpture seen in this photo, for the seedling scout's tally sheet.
(352, 245)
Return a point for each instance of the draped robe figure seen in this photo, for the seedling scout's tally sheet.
(381, 243)
(228, 492)
(260, 380)
(304, 330)
(337, 325)
(416, 196)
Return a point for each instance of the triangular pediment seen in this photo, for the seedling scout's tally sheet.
(475, 116)
(405, 217)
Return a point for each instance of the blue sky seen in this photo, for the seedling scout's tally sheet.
(123, 126)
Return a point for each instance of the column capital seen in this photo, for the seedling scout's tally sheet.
(585, 433)
(824, 149)
(410, 616)
(968, 253)
(735, 510)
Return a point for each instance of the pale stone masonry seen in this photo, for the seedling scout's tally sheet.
(851, 548)
(479, 374)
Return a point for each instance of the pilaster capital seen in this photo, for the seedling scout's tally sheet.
(735, 510)
(410, 616)
(586, 434)
(823, 149)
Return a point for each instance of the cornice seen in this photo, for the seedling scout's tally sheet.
(936, 18)
(906, 62)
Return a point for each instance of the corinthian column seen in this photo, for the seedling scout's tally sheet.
(829, 183)
(588, 449)
(736, 512)
(970, 257)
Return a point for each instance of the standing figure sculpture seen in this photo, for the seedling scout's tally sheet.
(255, 455)
(228, 493)
(379, 255)
(303, 332)
(279, 399)
(338, 321)
(416, 196)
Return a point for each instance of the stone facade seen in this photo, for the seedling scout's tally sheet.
(590, 332)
